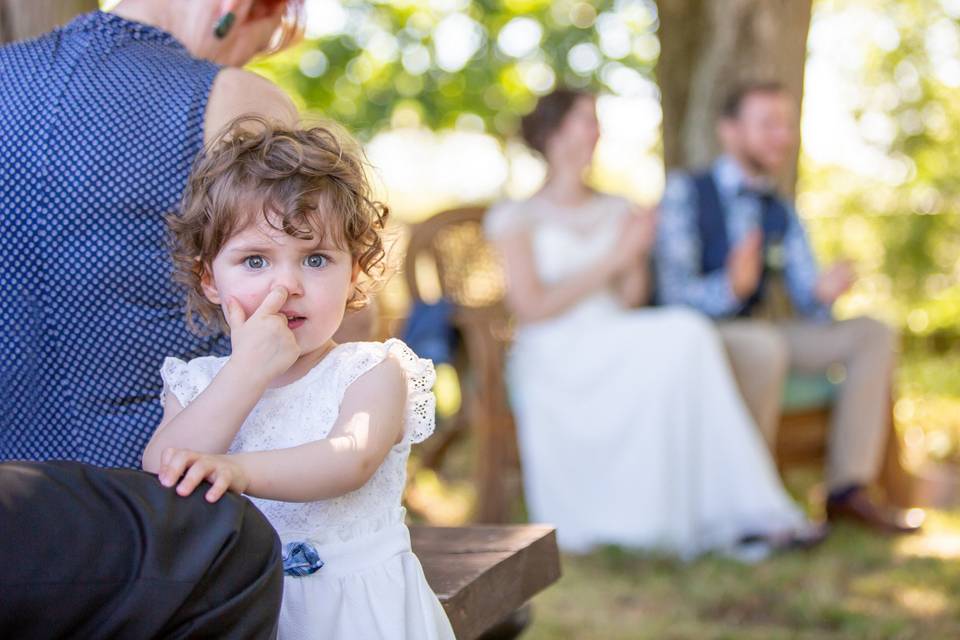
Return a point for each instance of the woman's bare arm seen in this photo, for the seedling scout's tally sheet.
(528, 297)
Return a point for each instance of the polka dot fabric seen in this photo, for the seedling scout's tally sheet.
(99, 123)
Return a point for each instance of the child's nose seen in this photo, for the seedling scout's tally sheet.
(289, 278)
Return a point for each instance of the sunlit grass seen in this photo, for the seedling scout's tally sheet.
(857, 585)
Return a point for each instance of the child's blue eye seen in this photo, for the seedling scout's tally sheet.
(316, 261)
(255, 262)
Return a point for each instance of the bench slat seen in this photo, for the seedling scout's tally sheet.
(482, 574)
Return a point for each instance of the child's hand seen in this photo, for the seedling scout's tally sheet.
(219, 470)
(264, 344)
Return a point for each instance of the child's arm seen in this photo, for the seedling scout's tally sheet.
(263, 347)
(369, 424)
(209, 423)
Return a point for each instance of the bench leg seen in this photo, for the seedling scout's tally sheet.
(510, 627)
(895, 480)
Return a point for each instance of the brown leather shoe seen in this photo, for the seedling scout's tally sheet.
(859, 507)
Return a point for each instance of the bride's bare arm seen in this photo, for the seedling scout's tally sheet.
(529, 298)
(634, 284)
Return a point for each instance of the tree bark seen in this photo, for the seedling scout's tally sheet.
(22, 19)
(709, 46)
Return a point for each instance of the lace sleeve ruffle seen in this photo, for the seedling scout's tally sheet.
(421, 404)
(419, 417)
(181, 380)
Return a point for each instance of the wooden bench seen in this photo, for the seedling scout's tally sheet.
(450, 250)
(483, 574)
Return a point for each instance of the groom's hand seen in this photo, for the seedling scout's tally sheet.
(745, 265)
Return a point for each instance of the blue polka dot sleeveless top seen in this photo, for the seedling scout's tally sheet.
(99, 123)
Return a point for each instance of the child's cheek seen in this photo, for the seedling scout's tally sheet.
(250, 302)
(248, 296)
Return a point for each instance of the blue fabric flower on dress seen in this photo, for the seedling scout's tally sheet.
(300, 559)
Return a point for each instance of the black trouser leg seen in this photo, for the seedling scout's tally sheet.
(110, 553)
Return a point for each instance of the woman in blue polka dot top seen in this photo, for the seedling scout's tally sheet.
(99, 123)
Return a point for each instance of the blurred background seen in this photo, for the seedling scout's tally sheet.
(435, 89)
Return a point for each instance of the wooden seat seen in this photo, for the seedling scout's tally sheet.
(452, 247)
(483, 574)
(450, 254)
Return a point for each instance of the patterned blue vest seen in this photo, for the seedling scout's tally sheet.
(715, 243)
(99, 123)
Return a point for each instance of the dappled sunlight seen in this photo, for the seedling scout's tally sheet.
(936, 541)
(857, 585)
(922, 601)
(447, 390)
(928, 418)
(440, 503)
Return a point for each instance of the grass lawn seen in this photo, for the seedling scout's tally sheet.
(856, 585)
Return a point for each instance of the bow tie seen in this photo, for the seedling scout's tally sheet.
(757, 192)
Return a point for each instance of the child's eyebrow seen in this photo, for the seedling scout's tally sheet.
(324, 244)
(251, 248)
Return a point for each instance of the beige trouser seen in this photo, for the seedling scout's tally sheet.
(763, 353)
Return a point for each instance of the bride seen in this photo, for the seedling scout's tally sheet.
(630, 425)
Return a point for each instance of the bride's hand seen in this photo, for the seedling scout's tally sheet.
(637, 234)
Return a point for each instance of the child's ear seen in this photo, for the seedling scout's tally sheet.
(354, 276)
(352, 291)
(208, 285)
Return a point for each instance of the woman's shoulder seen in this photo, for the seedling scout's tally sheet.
(509, 216)
(236, 92)
(506, 216)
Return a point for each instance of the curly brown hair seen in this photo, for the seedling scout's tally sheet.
(308, 182)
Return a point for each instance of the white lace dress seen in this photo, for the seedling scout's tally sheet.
(371, 585)
(630, 426)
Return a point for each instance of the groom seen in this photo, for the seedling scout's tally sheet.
(733, 248)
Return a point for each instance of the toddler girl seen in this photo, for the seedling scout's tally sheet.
(276, 231)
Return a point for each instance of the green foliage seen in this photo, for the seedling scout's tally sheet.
(903, 227)
(472, 64)
(909, 110)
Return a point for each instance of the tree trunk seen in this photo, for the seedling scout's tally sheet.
(22, 19)
(706, 48)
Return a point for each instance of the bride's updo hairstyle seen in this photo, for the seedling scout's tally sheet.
(537, 126)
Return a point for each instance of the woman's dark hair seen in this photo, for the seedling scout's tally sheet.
(537, 126)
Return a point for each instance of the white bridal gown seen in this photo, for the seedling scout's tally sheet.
(630, 425)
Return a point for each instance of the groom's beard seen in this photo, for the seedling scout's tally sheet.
(755, 165)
